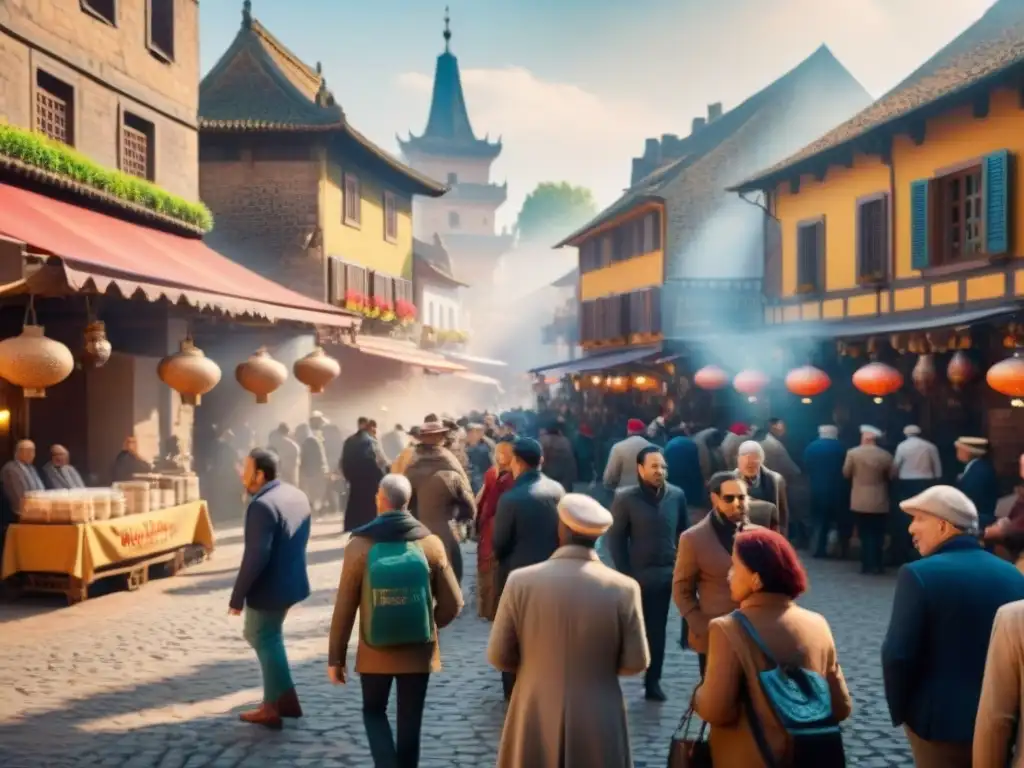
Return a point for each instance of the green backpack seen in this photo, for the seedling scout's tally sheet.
(397, 605)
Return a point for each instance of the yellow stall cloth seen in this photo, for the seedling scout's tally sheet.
(81, 550)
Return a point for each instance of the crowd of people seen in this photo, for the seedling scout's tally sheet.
(578, 571)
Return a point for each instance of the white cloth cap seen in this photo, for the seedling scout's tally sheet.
(911, 430)
(584, 515)
(977, 446)
(867, 429)
(748, 447)
(828, 431)
(945, 502)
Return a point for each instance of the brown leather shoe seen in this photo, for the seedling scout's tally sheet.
(267, 716)
(288, 705)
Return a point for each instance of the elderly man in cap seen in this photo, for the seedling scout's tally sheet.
(765, 486)
(567, 628)
(978, 480)
(17, 477)
(525, 528)
(868, 468)
(829, 490)
(933, 657)
(620, 471)
(58, 473)
(916, 466)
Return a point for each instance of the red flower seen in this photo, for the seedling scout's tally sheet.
(405, 309)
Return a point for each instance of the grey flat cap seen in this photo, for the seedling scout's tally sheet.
(946, 503)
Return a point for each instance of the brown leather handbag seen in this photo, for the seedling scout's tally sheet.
(689, 751)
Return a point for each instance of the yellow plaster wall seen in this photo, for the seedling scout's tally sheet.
(364, 245)
(623, 276)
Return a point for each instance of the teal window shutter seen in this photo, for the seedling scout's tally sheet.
(995, 181)
(920, 247)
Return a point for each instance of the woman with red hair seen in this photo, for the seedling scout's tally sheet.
(765, 579)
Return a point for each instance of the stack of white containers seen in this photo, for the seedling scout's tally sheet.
(78, 505)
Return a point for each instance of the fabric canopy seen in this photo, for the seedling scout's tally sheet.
(599, 362)
(100, 252)
(405, 352)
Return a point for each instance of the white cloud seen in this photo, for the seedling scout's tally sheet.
(551, 131)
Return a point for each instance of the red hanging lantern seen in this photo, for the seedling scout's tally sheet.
(750, 382)
(877, 379)
(807, 381)
(1007, 377)
(711, 377)
(961, 370)
(924, 374)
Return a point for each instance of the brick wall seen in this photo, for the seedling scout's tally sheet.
(264, 210)
(111, 70)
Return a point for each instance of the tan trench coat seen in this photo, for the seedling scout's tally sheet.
(568, 627)
(868, 468)
(1002, 693)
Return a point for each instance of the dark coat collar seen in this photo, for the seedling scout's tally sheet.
(267, 488)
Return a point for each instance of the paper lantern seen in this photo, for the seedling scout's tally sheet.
(1007, 377)
(961, 370)
(97, 348)
(34, 362)
(316, 370)
(924, 374)
(807, 381)
(261, 374)
(877, 379)
(189, 372)
(750, 382)
(711, 377)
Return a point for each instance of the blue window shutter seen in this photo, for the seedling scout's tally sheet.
(995, 181)
(920, 247)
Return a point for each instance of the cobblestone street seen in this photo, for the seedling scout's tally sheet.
(156, 677)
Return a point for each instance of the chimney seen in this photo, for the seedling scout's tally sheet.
(698, 124)
(714, 111)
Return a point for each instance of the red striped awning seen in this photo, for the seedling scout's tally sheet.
(99, 252)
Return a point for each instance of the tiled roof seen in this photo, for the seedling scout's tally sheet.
(259, 85)
(713, 144)
(988, 48)
(435, 259)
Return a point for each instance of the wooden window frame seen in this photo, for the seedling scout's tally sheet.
(819, 261)
(353, 196)
(89, 8)
(44, 73)
(155, 48)
(939, 204)
(887, 268)
(128, 116)
(390, 217)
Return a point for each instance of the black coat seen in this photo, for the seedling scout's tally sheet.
(645, 533)
(361, 466)
(272, 576)
(526, 524)
(981, 485)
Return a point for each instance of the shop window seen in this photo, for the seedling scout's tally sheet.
(353, 203)
(137, 146)
(390, 217)
(104, 10)
(873, 238)
(160, 28)
(453, 219)
(810, 255)
(55, 108)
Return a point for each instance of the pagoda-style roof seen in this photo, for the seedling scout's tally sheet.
(991, 48)
(449, 132)
(493, 194)
(259, 86)
(431, 260)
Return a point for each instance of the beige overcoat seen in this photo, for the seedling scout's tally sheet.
(568, 627)
(868, 468)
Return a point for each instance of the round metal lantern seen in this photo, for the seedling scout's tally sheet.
(261, 374)
(189, 372)
(316, 370)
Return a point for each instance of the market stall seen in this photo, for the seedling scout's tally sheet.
(66, 540)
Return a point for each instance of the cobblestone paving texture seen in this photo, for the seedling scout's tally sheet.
(155, 678)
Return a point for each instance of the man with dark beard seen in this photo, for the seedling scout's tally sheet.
(441, 494)
(648, 519)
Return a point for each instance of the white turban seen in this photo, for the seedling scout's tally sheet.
(912, 430)
(828, 431)
(867, 429)
(751, 446)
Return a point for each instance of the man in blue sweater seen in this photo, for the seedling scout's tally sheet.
(933, 657)
(271, 579)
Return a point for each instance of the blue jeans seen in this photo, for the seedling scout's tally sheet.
(263, 631)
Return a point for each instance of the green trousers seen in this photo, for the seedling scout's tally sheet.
(263, 631)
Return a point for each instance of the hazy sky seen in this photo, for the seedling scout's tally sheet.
(574, 87)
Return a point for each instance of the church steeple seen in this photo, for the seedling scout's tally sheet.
(449, 131)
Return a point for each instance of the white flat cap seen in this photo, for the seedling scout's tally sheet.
(828, 431)
(976, 445)
(748, 447)
(867, 429)
(911, 430)
(584, 515)
(945, 502)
